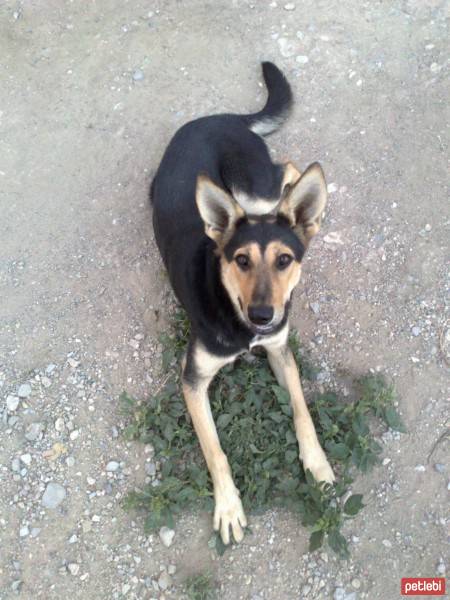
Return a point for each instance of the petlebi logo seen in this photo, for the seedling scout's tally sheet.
(423, 586)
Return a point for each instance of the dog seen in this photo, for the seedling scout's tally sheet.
(232, 228)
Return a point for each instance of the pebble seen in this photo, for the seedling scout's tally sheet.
(73, 363)
(419, 468)
(150, 469)
(59, 424)
(428, 227)
(46, 382)
(112, 466)
(387, 543)
(24, 531)
(415, 331)
(331, 188)
(34, 431)
(166, 536)
(24, 390)
(440, 569)
(35, 532)
(386, 461)
(53, 496)
(74, 568)
(50, 368)
(164, 581)
(12, 402)
(70, 461)
(302, 59)
(289, 6)
(315, 307)
(74, 434)
(356, 584)
(339, 594)
(138, 75)
(287, 48)
(171, 569)
(26, 459)
(439, 467)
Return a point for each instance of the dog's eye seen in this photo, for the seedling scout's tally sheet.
(243, 261)
(283, 261)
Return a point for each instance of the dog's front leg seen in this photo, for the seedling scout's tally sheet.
(312, 455)
(197, 375)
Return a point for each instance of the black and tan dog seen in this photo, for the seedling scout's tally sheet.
(232, 228)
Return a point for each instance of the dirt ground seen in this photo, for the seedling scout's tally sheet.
(90, 94)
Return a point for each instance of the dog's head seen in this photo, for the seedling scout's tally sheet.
(260, 256)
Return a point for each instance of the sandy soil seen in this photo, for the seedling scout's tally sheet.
(91, 93)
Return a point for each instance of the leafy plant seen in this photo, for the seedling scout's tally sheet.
(253, 416)
(200, 587)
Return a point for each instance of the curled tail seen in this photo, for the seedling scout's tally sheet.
(278, 105)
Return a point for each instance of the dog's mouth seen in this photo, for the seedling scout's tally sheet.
(262, 329)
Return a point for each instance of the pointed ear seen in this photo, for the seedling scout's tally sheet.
(217, 208)
(290, 177)
(305, 202)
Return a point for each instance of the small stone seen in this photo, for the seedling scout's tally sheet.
(138, 75)
(73, 363)
(74, 568)
(35, 532)
(356, 584)
(332, 188)
(112, 466)
(90, 480)
(386, 461)
(419, 468)
(435, 68)
(73, 539)
(428, 227)
(26, 459)
(12, 402)
(126, 588)
(440, 468)
(53, 496)
(324, 557)
(134, 344)
(440, 569)
(46, 382)
(150, 469)
(306, 589)
(315, 307)
(415, 331)
(171, 569)
(302, 59)
(50, 368)
(24, 390)
(24, 531)
(339, 594)
(387, 543)
(34, 431)
(287, 48)
(74, 434)
(166, 536)
(289, 6)
(59, 424)
(16, 585)
(351, 596)
(70, 461)
(164, 581)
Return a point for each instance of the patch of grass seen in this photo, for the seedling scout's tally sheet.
(200, 587)
(254, 422)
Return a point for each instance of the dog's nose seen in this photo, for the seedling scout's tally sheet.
(260, 315)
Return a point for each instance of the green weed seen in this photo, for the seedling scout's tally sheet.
(200, 587)
(254, 421)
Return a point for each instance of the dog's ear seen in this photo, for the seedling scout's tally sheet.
(305, 202)
(218, 210)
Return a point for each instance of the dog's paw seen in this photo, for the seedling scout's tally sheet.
(317, 463)
(228, 512)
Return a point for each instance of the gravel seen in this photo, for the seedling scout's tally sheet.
(24, 390)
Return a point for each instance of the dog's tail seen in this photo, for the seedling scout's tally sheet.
(278, 105)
